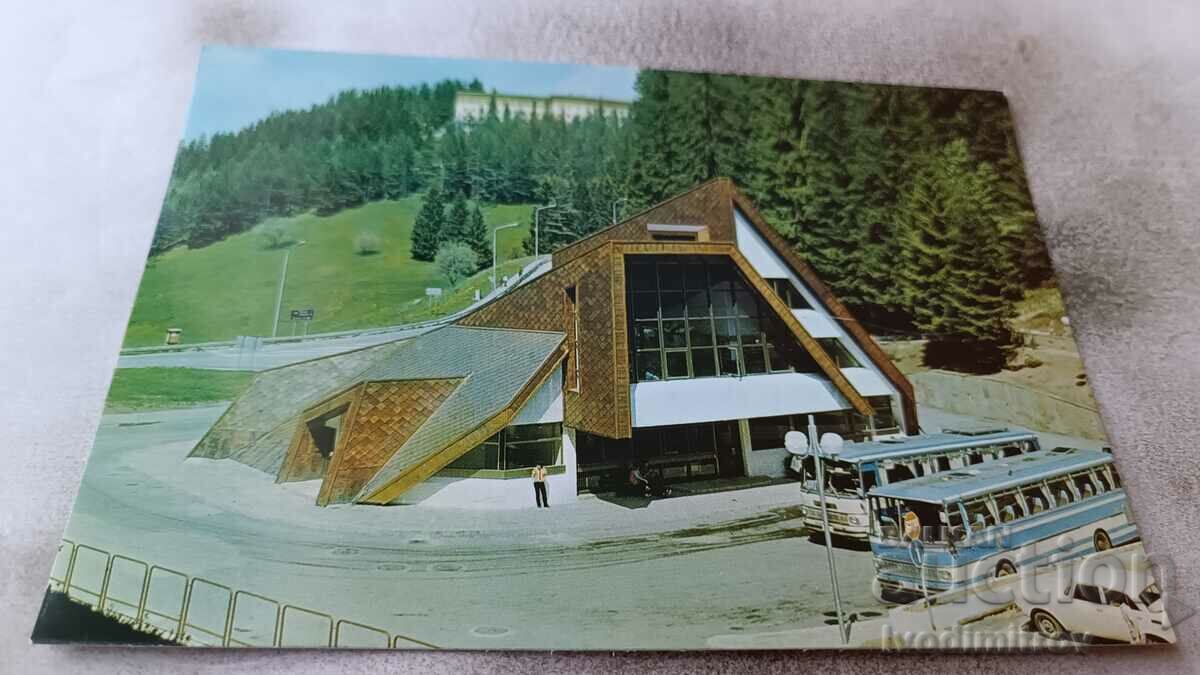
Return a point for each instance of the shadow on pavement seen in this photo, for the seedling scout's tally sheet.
(627, 501)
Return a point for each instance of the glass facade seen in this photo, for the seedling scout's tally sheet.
(766, 433)
(678, 452)
(790, 295)
(516, 447)
(838, 352)
(696, 316)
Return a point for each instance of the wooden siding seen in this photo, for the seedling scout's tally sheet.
(708, 204)
(595, 266)
(302, 461)
(601, 405)
(386, 414)
(431, 466)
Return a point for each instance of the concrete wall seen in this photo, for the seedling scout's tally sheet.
(1007, 402)
(766, 462)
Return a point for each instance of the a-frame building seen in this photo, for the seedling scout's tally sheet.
(689, 337)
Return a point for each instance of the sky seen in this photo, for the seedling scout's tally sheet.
(236, 86)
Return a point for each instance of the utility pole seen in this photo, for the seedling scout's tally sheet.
(495, 251)
(282, 280)
(537, 212)
(795, 443)
(614, 208)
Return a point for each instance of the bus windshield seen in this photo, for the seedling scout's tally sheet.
(906, 519)
(840, 477)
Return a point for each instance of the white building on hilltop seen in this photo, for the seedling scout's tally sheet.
(474, 105)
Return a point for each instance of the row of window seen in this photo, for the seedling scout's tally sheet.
(714, 437)
(766, 433)
(917, 467)
(1036, 497)
(697, 317)
(516, 447)
(655, 442)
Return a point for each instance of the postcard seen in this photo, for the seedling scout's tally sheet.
(450, 354)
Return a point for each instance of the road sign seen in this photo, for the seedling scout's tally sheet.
(302, 314)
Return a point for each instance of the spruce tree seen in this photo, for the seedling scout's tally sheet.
(478, 237)
(427, 228)
(957, 266)
(456, 224)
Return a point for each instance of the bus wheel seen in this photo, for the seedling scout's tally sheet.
(1101, 541)
(1046, 624)
(1005, 568)
(883, 595)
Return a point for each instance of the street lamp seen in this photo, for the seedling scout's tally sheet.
(537, 212)
(798, 445)
(495, 249)
(282, 280)
(614, 207)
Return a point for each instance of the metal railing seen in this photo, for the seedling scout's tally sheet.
(177, 609)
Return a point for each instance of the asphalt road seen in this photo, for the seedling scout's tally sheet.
(592, 575)
(267, 356)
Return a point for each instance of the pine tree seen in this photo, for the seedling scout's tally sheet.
(427, 234)
(478, 237)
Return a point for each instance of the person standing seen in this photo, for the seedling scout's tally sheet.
(539, 486)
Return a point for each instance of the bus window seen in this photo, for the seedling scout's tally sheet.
(918, 468)
(957, 532)
(1101, 479)
(899, 472)
(1009, 507)
(841, 477)
(1083, 483)
(924, 521)
(979, 514)
(1011, 450)
(943, 463)
(885, 518)
(1060, 490)
(1035, 498)
(867, 480)
(974, 458)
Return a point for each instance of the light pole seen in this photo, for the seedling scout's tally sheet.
(537, 212)
(798, 445)
(614, 207)
(495, 249)
(282, 280)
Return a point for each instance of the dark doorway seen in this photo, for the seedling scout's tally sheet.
(324, 431)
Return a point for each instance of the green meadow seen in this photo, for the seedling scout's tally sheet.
(138, 389)
(228, 289)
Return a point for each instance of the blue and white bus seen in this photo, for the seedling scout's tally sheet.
(992, 520)
(861, 466)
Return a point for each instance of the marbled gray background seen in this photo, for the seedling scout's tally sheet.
(1107, 102)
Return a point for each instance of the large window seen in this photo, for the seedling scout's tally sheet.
(885, 418)
(695, 316)
(790, 295)
(766, 433)
(516, 447)
(838, 352)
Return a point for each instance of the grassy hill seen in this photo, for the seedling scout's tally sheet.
(228, 288)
